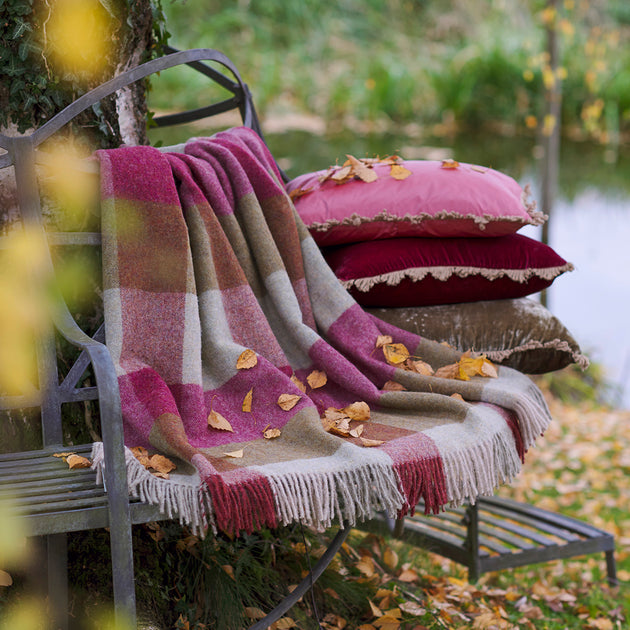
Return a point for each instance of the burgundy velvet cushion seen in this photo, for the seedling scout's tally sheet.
(423, 271)
(432, 201)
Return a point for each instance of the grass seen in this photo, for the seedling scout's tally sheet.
(478, 63)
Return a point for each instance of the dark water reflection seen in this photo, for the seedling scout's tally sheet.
(590, 223)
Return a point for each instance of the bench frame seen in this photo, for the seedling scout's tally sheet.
(40, 479)
(37, 478)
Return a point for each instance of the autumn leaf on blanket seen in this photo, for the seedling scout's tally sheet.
(334, 415)
(369, 443)
(395, 353)
(458, 396)
(270, 434)
(235, 454)
(393, 386)
(217, 421)
(341, 428)
(247, 401)
(450, 164)
(246, 360)
(316, 379)
(398, 171)
(298, 383)
(161, 464)
(357, 431)
(418, 366)
(383, 340)
(357, 411)
(286, 402)
(141, 454)
(468, 366)
(450, 371)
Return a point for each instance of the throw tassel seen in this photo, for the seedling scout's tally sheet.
(242, 506)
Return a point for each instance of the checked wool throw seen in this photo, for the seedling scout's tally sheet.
(205, 258)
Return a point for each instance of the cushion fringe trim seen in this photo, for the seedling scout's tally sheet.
(444, 273)
(536, 217)
(554, 344)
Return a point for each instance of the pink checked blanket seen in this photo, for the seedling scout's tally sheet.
(240, 357)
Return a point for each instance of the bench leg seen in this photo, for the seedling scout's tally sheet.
(611, 567)
(472, 542)
(57, 556)
(123, 575)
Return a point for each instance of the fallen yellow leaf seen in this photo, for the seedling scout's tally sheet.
(393, 386)
(317, 379)
(254, 613)
(383, 340)
(359, 411)
(286, 402)
(161, 464)
(398, 171)
(448, 371)
(342, 427)
(369, 443)
(390, 558)
(270, 434)
(343, 174)
(283, 624)
(412, 608)
(408, 575)
(246, 360)
(76, 461)
(450, 163)
(366, 566)
(236, 454)
(360, 170)
(395, 353)
(356, 432)
(418, 366)
(217, 421)
(247, 401)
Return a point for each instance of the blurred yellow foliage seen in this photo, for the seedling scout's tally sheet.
(77, 35)
(23, 309)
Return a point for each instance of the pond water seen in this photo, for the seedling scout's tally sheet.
(589, 225)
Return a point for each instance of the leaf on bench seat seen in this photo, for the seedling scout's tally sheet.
(73, 460)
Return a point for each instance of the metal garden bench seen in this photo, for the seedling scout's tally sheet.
(54, 501)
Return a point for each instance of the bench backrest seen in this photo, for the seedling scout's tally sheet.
(23, 155)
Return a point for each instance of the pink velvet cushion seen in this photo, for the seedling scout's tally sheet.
(423, 271)
(432, 201)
